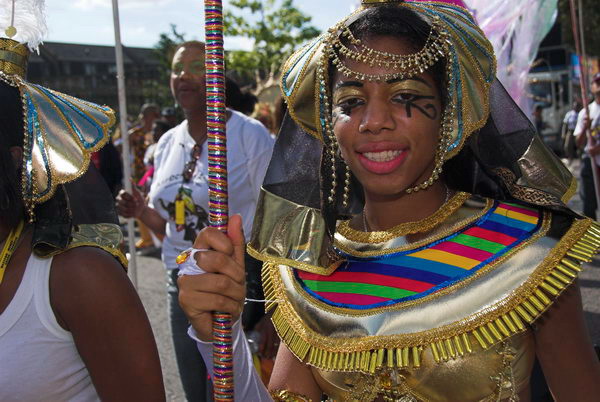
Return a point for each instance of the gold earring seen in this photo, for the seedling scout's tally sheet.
(346, 195)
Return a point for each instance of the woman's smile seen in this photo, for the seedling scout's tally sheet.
(381, 157)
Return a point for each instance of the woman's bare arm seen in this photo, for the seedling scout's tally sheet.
(565, 351)
(292, 375)
(94, 300)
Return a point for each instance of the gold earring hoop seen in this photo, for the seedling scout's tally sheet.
(346, 195)
(326, 123)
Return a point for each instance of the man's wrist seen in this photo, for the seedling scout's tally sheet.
(142, 212)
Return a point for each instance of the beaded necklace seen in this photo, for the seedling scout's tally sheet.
(12, 241)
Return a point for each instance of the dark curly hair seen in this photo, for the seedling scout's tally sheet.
(11, 135)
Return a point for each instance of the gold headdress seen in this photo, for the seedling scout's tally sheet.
(487, 145)
(454, 37)
(59, 135)
(60, 132)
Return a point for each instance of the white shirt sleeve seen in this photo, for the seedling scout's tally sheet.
(247, 384)
(579, 127)
(163, 147)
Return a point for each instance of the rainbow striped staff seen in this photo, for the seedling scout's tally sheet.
(217, 183)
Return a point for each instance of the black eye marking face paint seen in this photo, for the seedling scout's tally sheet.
(429, 110)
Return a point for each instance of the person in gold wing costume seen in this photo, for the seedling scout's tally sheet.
(72, 327)
(412, 225)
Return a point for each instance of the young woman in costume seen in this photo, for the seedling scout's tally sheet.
(72, 327)
(413, 227)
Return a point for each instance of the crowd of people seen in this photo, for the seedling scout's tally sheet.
(404, 237)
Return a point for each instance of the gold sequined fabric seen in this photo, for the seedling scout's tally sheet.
(61, 132)
(467, 379)
(13, 57)
(468, 342)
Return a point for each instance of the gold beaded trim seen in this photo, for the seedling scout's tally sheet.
(558, 270)
(403, 229)
(13, 57)
(404, 65)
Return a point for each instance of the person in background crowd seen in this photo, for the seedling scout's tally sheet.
(72, 327)
(178, 199)
(264, 114)
(568, 128)
(538, 119)
(589, 123)
(158, 129)
(169, 115)
(140, 137)
(236, 99)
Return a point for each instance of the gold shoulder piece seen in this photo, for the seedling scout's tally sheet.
(105, 236)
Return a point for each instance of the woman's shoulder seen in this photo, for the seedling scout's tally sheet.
(83, 277)
(87, 263)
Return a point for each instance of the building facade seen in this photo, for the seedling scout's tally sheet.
(90, 72)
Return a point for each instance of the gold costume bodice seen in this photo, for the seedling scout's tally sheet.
(477, 376)
(465, 339)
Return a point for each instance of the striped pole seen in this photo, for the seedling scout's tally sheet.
(216, 120)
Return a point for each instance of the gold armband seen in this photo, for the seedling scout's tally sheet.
(288, 396)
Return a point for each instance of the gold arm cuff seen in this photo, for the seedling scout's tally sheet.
(288, 396)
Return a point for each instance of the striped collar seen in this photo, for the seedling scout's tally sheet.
(388, 279)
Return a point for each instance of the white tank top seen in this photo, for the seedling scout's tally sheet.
(38, 359)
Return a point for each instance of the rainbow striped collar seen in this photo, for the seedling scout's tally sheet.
(372, 282)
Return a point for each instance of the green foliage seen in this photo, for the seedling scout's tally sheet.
(591, 24)
(277, 28)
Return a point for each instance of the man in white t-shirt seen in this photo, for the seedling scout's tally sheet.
(590, 123)
(178, 198)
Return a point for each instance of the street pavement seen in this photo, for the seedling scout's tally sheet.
(151, 287)
(152, 291)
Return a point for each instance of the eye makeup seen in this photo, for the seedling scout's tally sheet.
(342, 93)
(413, 86)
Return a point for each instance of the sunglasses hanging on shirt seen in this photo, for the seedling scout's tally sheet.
(184, 195)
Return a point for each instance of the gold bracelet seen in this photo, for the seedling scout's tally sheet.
(284, 395)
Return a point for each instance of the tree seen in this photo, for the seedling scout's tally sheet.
(159, 91)
(277, 29)
(591, 24)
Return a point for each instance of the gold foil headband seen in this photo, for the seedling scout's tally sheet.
(13, 57)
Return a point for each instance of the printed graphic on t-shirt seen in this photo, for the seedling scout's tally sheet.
(196, 217)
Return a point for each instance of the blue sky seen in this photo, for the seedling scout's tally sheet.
(90, 21)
